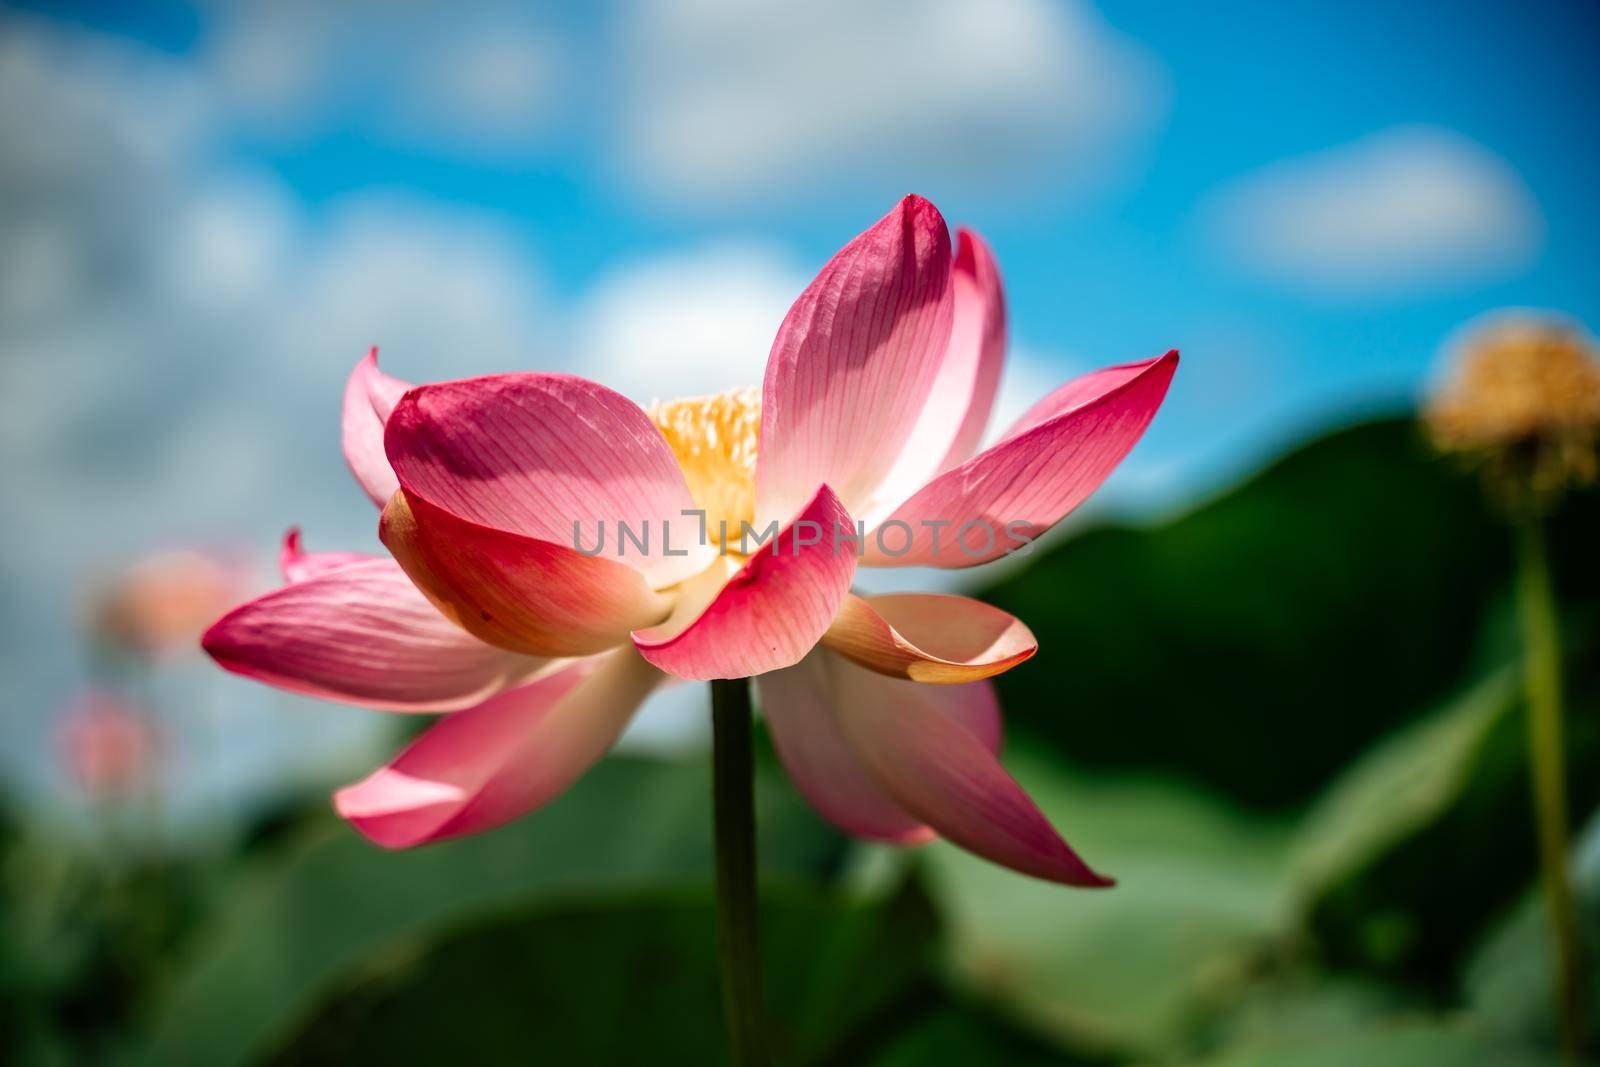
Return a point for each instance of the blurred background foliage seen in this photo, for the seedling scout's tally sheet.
(1288, 719)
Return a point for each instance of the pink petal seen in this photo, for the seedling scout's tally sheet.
(479, 768)
(362, 634)
(798, 706)
(854, 363)
(929, 637)
(1086, 389)
(977, 339)
(548, 456)
(369, 396)
(939, 768)
(1042, 469)
(769, 613)
(974, 705)
(297, 564)
(519, 593)
(957, 412)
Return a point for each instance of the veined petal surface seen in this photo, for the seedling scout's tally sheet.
(925, 745)
(957, 412)
(518, 593)
(854, 363)
(767, 613)
(1044, 468)
(552, 457)
(362, 634)
(482, 767)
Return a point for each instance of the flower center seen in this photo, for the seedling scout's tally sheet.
(714, 440)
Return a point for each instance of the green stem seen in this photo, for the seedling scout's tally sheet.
(1547, 755)
(734, 817)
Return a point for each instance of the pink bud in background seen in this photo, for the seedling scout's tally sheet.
(107, 746)
(161, 604)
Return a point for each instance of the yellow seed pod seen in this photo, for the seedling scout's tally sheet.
(715, 439)
(1522, 401)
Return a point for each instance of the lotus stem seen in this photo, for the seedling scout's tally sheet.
(734, 818)
(1547, 756)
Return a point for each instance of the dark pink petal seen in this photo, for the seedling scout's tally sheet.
(482, 767)
(929, 637)
(297, 564)
(1045, 467)
(547, 456)
(854, 363)
(957, 412)
(369, 396)
(770, 612)
(928, 747)
(518, 593)
(798, 706)
(362, 634)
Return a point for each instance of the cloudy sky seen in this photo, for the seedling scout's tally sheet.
(207, 212)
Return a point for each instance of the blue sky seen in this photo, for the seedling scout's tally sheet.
(1112, 274)
(1120, 271)
(209, 211)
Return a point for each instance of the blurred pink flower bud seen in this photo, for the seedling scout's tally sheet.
(106, 746)
(163, 602)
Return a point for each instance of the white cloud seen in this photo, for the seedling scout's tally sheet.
(729, 100)
(491, 78)
(1405, 209)
(488, 86)
(92, 133)
(687, 323)
(227, 242)
(170, 368)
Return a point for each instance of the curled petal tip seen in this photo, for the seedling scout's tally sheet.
(937, 639)
(290, 552)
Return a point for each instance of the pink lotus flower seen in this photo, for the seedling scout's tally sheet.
(877, 391)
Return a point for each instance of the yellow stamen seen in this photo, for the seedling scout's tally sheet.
(714, 440)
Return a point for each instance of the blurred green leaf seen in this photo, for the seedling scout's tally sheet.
(1510, 980)
(1429, 837)
(632, 979)
(1398, 1044)
(1288, 1002)
(1401, 785)
(88, 927)
(300, 917)
(1262, 640)
(1200, 890)
(961, 1035)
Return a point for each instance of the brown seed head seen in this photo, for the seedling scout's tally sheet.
(1523, 401)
